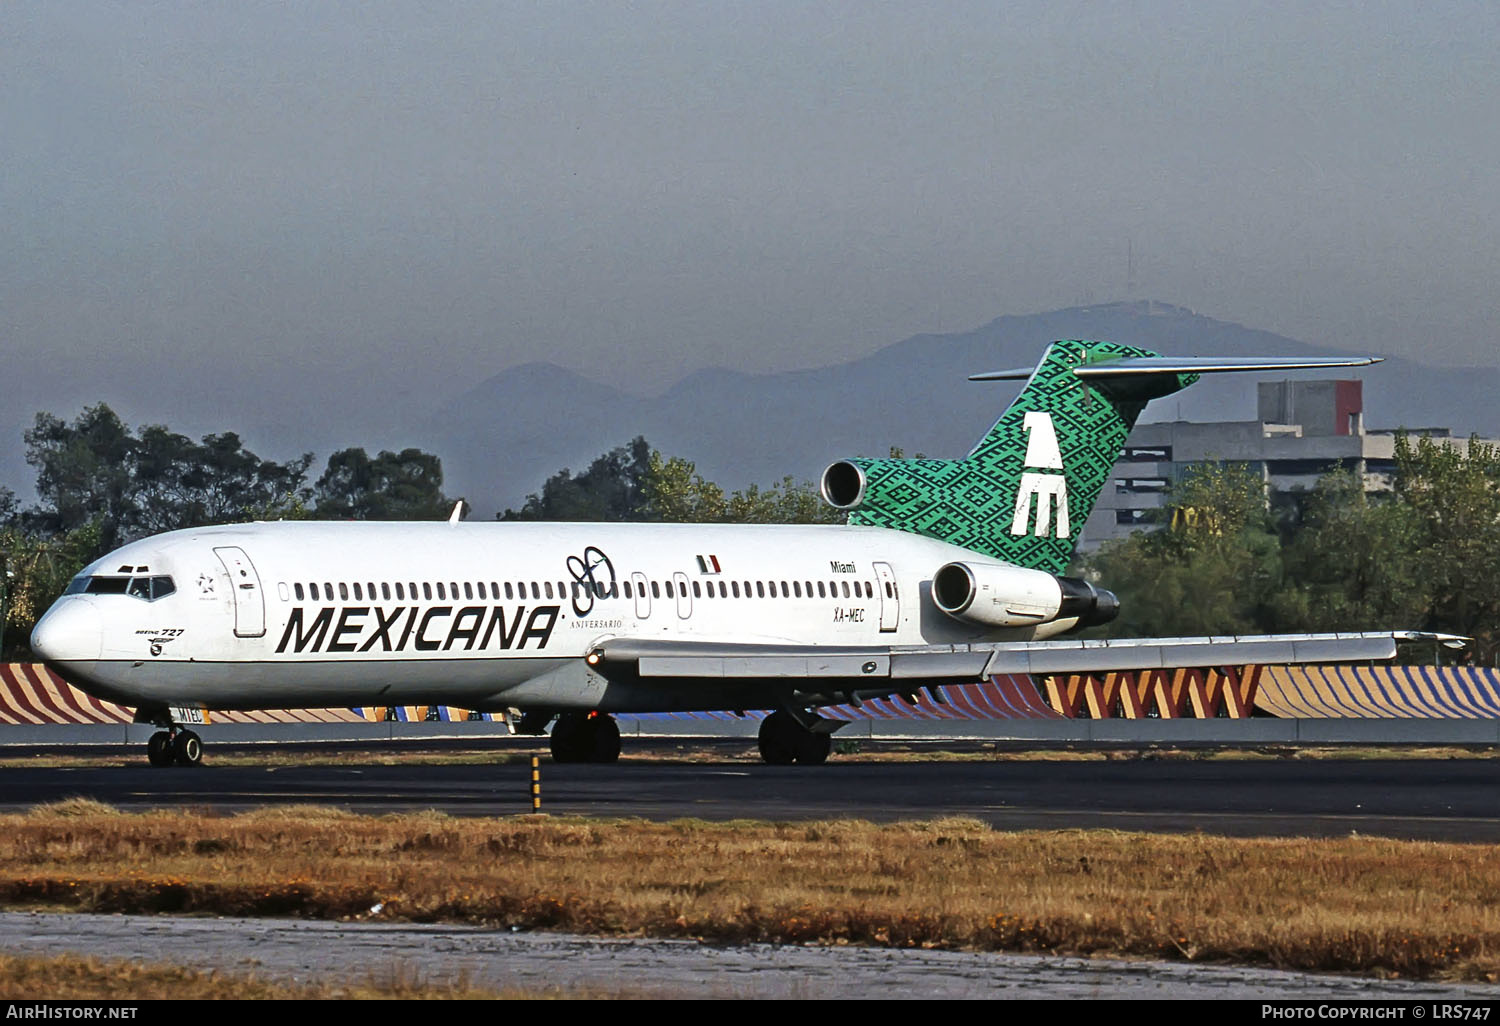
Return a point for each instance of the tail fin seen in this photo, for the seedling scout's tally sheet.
(1024, 492)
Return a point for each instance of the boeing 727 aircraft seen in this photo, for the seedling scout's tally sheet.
(948, 571)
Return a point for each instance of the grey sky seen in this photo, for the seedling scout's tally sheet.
(276, 207)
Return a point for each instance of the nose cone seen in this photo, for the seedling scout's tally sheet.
(71, 631)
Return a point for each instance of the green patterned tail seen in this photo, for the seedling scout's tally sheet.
(1024, 493)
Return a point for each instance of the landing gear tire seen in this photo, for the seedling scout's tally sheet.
(577, 738)
(813, 749)
(784, 741)
(778, 739)
(187, 748)
(605, 740)
(159, 749)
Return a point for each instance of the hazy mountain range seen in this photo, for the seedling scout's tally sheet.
(502, 438)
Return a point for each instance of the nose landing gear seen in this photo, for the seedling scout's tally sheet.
(174, 748)
(174, 745)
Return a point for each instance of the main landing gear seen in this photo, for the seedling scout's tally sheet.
(783, 740)
(174, 747)
(577, 737)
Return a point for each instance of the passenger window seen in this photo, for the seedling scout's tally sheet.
(385, 591)
(669, 590)
(697, 591)
(343, 592)
(453, 590)
(442, 592)
(427, 590)
(547, 587)
(723, 590)
(327, 591)
(297, 590)
(629, 591)
(760, 589)
(656, 589)
(845, 588)
(536, 590)
(734, 586)
(508, 592)
(358, 593)
(821, 593)
(797, 588)
(468, 591)
(400, 592)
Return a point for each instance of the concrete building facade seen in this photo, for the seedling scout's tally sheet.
(1305, 429)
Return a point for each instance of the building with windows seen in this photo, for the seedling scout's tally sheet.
(1305, 429)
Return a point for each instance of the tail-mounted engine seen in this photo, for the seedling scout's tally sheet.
(1012, 596)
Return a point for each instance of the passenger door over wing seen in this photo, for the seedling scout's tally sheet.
(249, 603)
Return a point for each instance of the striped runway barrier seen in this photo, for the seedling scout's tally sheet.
(30, 694)
(1380, 692)
(1189, 693)
(1004, 697)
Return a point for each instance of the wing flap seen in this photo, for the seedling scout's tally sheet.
(660, 658)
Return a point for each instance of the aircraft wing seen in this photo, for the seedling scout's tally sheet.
(658, 658)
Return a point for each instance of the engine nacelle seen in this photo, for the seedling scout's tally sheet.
(996, 595)
(843, 484)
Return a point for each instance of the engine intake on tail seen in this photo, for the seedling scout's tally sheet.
(843, 485)
(1012, 596)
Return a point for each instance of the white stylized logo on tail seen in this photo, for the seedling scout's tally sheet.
(1042, 452)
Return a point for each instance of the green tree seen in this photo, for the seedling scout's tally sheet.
(34, 570)
(1453, 497)
(83, 473)
(96, 470)
(1213, 568)
(393, 486)
(609, 491)
(675, 492)
(1352, 565)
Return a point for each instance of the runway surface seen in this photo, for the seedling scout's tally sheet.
(1455, 800)
(605, 967)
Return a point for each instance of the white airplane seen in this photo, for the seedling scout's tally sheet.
(949, 570)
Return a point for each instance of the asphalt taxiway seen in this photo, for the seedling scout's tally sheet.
(1433, 799)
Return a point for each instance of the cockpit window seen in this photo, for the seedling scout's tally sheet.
(148, 588)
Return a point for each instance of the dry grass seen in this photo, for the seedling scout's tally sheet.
(75, 978)
(1365, 905)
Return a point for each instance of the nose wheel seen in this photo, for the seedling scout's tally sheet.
(174, 748)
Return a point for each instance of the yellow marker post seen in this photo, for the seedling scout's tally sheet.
(536, 784)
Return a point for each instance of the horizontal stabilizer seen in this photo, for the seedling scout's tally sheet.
(1131, 366)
